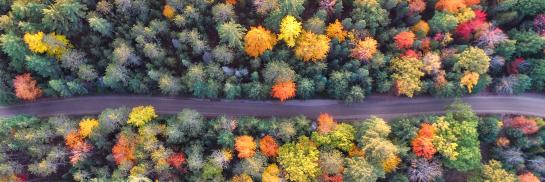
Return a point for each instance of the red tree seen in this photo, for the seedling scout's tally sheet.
(176, 160)
(123, 150)
(404, 39)
(528, 126)
(26, 87)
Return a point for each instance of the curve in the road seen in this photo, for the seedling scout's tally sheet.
(382, 106)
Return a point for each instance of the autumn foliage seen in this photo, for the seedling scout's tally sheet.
(312, 47)
(451, 6)
(123, 150)
(528, 177)
(283, 90)
(365, 49)
(268, 146)
(177, 160)
(77, 145)
(141, 115)
(245, 146)
(526, 125)
(326, 123)
(404, 40)
(26, 87)
(258, 40)
(422, 144)
(52, 44)
(86, 126)
(169, 11)
(469, 80)
(336, 30)
(290, 29)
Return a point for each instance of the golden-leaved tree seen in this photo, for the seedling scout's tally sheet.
(258, 40)
(141, 115)
(335, 30)
(407, 75)
(312, 47)
(52, 44)
(290, 29)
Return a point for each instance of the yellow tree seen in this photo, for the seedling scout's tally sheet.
(335, 30)
(140, 115)
(52, 44)
(86, 126)
(290, 29)
(407, 75)
(258, 40)
(245, 146)
(469, 80)
(312, 47)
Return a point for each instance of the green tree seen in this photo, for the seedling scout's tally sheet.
(100, 25)
(231, 33)
(64, 16)
(359, 170)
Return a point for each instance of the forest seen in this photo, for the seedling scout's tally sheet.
(137, 144)
(270, 49)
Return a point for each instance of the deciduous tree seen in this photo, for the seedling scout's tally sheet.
(283, 90)
(258, 40)
(290, 29)
(312, 47)
(26, 87)
(245, 146)
(141, 115)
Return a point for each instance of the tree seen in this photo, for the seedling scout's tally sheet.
(404, 40)
(493, 171)
(444, 139)
(14, 47)
(528, 177)
(176, 160)
(64, 16)
(169, 11)
(86, 126)
(527, 125)
(271, 174)
(278, 72)
(472, 59)
(100, 25)
(258, 40)
(424, 170)
(141, 115)
(268, 146)
(245, 146)
(326, 123)
(283, 90)
(312, 47)
(469, 80)
(342, 137)
(450, 6)
(290, 29)
(407, 75)
(443, 22)
(299, 160)
(422, 144)
(331, 162)
(223, 12)
(26, 87)
(365, 49)
(421, 28)
(489, 129)
(123, 150)
(359, 170)
(335, 31)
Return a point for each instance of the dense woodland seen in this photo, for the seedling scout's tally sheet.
(262, 49)
(136, 144)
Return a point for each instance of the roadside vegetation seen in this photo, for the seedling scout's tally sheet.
(136, 144)
(270, 49)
